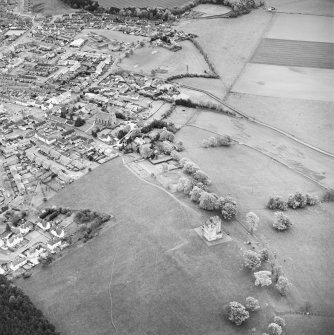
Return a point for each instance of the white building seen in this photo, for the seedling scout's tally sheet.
(212, 229)
(14, 240)
(54, 243)
(17, 263)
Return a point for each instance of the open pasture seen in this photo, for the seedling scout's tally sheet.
(146, 59)
(210, 9)
(311, 7)
(142, 3)
(286, 82)
(295, 53)
(302, 27)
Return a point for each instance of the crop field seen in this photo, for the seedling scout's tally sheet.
(295, 53)
(314, 7)
(286, 82)
(302, 27)
(311, 121)
(142, 3)
(147, 59)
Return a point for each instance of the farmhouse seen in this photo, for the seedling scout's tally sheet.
(212, 229)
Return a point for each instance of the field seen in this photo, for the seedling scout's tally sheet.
(149, 267)
(147, 59)
(229, 43)
(310, 121)
(50, 7)
(286, 82)
(318, 7)
(210, 9)
(142, 3)
(295, 53)
(302, 28)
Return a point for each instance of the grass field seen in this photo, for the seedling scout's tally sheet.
(142, 3)
(310, 121)
(302, 27)
(150, 267)
(229, 43)
(295, 53)
(314, 7)
(146, 59)
(210, 9)
(286, 82)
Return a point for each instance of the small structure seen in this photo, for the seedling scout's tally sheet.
(17, 263)
(212, 229)
(44, 225)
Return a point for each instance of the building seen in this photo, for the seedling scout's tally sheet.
(25, 228)
(14, 240)
(77, 43)
(54, 243)
(106, 119)
(44, 138)
(58, 232)
(44, 225)
(17, 263)
(212, 229)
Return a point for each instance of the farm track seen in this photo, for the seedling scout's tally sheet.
(295, 53)
(251, 119)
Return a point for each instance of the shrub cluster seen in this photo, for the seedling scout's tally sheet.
(217, 141)
(281, 221)
(296, 200)
(252, 260)
(159, 124)
(277, 203)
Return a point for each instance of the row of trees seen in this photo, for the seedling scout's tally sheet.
(18, 315)
(296, 200)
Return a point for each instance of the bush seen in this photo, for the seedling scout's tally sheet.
(237, 313)
(264, 254)
(281, 221)
(252, 221)
(283, 285)
(252, 260)
(184, 185)
(263, 278)
(280, 321)
(312, 199)
(297, 200)
(228, 207)
(166, 135)
(175, 155)
(79, 122)
(328, 196)
(252, 304)
(275, 329)
(277, 203)
(183, 161)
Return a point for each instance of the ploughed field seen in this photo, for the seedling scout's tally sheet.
(295, 53)
(142, 3)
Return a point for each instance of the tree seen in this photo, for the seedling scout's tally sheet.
(224, 141)
(281, 221)
(145, 151)
(195, 194)
(207, 201)
(252, 260)
(283, 285)
(202, 177)
(183, 161)
(275, 329)
(277, 203)
(252, 304)
(228, 207)
(312, 199)
(280, 321)
(166, 135)
(190, 167)
(264, 254)
(79, 122)
(262, 278)
(252, 221)
(175, 155)
(297, 200)
(179, 146)
(184, 185)
(237, 313)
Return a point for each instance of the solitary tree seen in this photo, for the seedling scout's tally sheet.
(252, 304)
(207, 201)
(283, 285)
(262, 278)
(252, 260)
(281, 221)
(280, 321)
(237, 313)
(275, 329)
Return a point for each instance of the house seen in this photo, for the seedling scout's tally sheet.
(212, 229)
(54, 243)
(17, 263)
(106, 119)
(34, 252)
(25, 228)
(44, 138)
(44, 225)
(58, 232)
(14, 240)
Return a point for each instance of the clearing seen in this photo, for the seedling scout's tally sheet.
(147, 59)
(286, 82)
